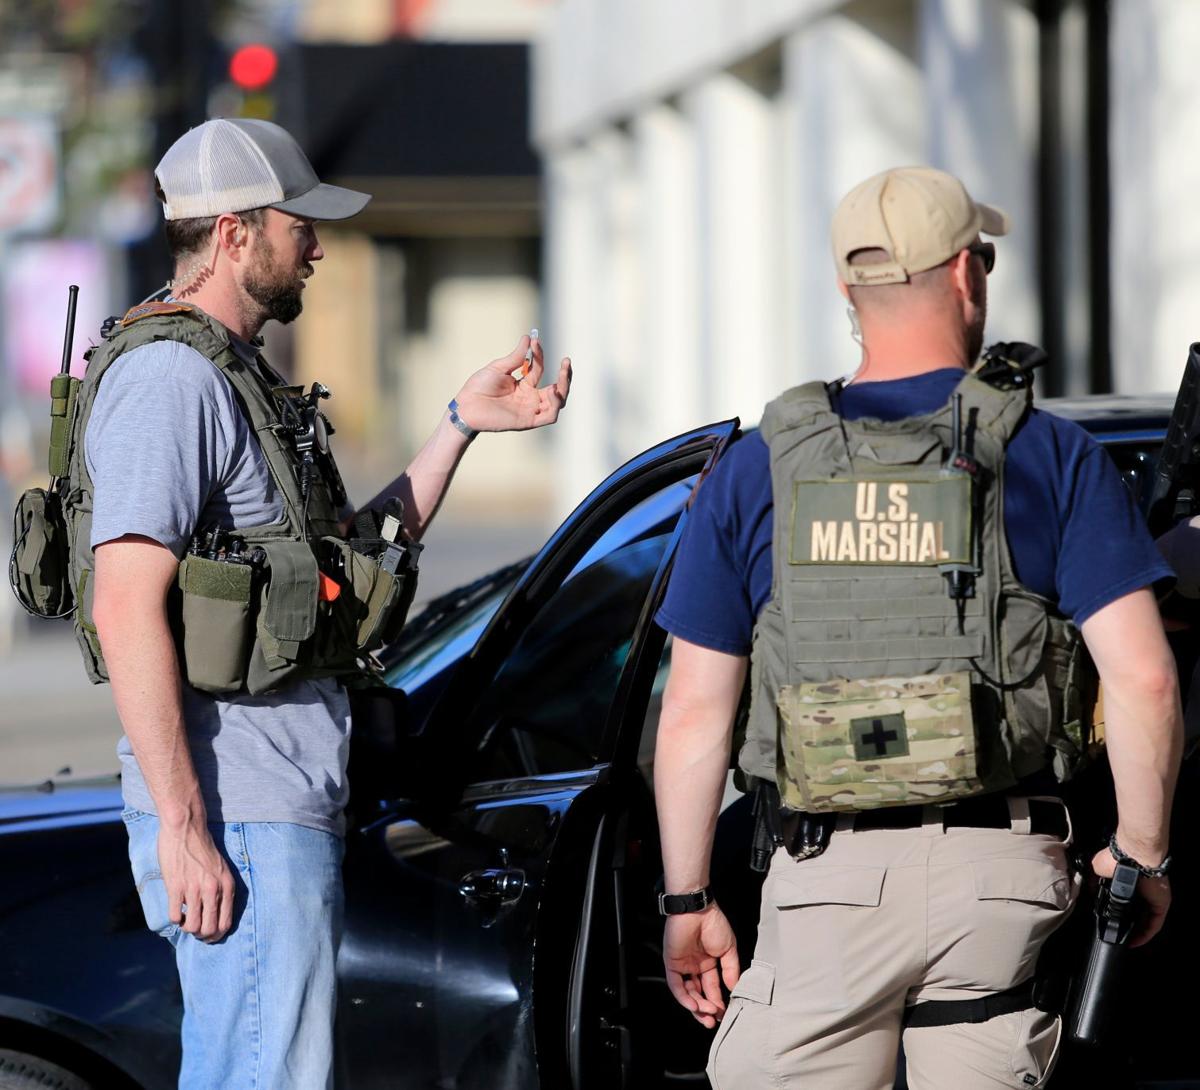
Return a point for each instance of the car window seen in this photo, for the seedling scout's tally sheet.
(545, 709)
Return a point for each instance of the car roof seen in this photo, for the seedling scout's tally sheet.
(1108, 415)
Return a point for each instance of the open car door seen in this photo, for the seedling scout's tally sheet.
(461, 964)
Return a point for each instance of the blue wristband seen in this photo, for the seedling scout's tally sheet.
(458, 421)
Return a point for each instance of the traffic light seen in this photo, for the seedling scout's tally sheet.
(252, 69)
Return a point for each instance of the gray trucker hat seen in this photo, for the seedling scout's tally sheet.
(234, 164)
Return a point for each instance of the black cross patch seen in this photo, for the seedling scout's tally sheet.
(878, 736)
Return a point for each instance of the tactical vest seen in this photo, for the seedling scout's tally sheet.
(872, 684)
(274, 603)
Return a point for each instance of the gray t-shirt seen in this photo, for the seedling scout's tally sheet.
(169, 452)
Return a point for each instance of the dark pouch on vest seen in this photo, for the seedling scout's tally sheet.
(287, 619)
(379, 599)
(39, 565)
(217, 626)
(1047, 681)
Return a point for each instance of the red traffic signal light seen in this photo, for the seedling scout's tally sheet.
(253, 66)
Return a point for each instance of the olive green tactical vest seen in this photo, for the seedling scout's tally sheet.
(871, 685)
(241, 627)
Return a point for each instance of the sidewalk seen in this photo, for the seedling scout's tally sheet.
(51, 716)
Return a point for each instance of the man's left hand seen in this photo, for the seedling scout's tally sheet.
(699, 952)
(492, 400)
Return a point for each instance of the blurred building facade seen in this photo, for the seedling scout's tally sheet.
(423, 103)
(694, 151)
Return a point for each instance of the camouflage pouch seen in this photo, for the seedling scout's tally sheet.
(218, 630)
(860, 745)
(39, 567)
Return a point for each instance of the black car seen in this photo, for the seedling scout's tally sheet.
(500, 921)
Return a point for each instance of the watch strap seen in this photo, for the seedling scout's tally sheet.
(677, 904)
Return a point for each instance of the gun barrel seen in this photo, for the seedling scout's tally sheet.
(69, 335)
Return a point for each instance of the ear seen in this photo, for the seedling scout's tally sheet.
(843, 289)
(962, 273)
(232, 235)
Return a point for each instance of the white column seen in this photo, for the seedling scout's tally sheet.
(1072, 234)
(857, 108)
(1155, 161)
(739, 243)
(571, 324)
(618, 297)
(668, 346)
(981, 78)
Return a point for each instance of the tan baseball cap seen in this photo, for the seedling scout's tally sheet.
(919, 215)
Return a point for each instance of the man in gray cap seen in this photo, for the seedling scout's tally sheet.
(906, 557)
(224, 604)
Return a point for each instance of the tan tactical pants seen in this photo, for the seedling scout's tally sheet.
(885, 918)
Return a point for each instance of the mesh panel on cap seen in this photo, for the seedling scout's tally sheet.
(216, 168)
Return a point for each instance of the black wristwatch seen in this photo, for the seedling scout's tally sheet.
(676, 904)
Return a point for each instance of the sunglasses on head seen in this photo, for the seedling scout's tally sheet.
(985, 250)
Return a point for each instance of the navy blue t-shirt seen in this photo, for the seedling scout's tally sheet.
(1073, 531)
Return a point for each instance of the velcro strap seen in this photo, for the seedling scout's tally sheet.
(898, 649)
(952, 1012)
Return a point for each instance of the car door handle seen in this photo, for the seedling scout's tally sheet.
(492, 887)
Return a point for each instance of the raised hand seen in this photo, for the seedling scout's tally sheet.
(699, 951)
(492, 400)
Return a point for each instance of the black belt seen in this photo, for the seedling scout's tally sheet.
(951, 1012)
(983, 812)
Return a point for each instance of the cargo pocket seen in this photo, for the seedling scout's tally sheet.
(822, 905)
(1038, 1040)
(39, 564)
(1019, 903)
(854, 745)
(1035, 882)
(217, 628)
(739, 1054)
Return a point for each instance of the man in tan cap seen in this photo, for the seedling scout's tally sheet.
(906, 558)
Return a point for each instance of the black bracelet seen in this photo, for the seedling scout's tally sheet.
(1122, 857)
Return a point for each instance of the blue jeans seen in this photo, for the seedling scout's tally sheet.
(258, 1005)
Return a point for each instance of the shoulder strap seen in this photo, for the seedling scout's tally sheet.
(998, 412)
(794, 408)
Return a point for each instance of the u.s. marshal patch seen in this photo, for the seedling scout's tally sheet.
(881, 521)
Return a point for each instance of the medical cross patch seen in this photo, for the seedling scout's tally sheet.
(878, 736)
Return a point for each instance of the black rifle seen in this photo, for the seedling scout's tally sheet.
(1172, 495)
(1094, 1001)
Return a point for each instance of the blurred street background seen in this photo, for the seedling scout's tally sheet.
(647, 181)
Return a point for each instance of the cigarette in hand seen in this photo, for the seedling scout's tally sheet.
(523, 370)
